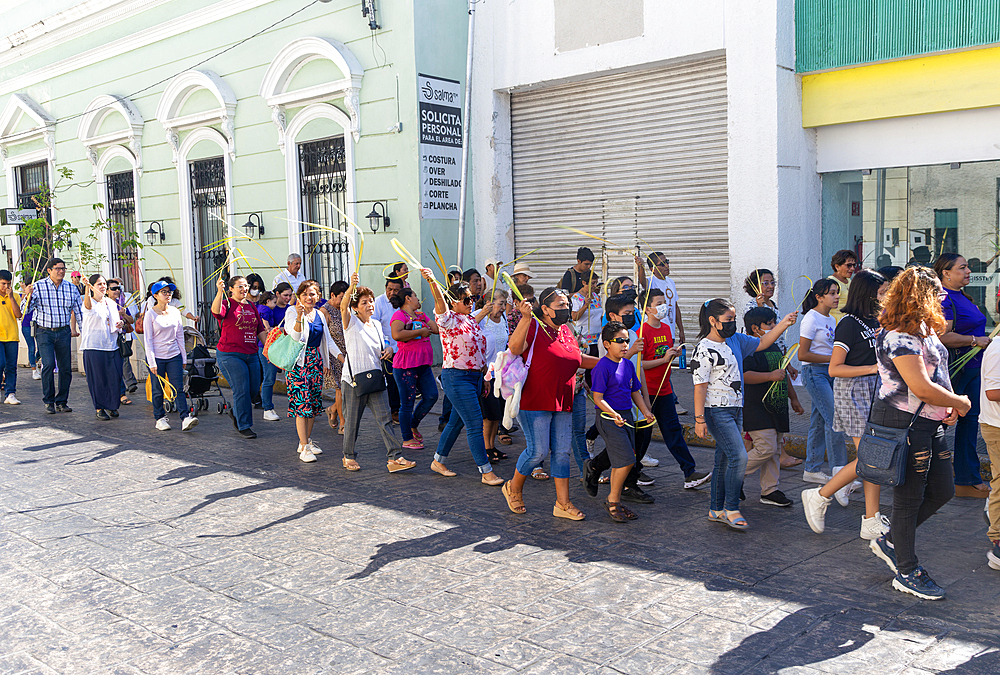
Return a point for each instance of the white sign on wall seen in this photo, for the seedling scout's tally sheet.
(440, 112)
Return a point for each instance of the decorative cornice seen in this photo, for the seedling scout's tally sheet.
(43, 130)
(177, 93)
(96, 113)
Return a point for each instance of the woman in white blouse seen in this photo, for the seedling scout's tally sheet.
(163, 335)
(102, 359)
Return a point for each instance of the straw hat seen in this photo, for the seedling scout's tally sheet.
(522, 268)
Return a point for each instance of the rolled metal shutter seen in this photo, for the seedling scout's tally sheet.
(637, 158)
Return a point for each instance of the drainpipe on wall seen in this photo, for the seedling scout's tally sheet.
(466, 122)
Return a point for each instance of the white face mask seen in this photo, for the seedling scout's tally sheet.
(254, 292)
(662, 311)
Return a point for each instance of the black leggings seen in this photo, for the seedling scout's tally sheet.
(929, 483)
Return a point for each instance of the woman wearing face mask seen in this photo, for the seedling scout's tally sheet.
(464, 350)
(331, 312)
(411, 366)
(256, 287)
(304, 381)
(815, 348)
(547, 396)
(282, 297)
(102, 360)
(240, 330)
(494, 327)
(717, 365)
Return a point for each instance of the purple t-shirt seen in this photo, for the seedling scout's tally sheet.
(616, 381)
(970, 320)
(417, 351)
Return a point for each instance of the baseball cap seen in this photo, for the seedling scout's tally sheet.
(160, 285)
(490, 261)
(522, 268)
(75, 274)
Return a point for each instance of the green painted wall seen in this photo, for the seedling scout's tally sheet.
(839, 33)
(425, 35)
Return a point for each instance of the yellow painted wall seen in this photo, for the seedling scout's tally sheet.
(929, 84)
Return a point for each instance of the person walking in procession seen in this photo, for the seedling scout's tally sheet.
(56, 304)
(102, 358)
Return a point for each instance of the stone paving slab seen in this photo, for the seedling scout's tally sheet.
(125, 551)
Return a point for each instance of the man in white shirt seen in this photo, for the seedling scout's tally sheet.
(291, 275)
(383, 314)
(989, 425)
(492, 267)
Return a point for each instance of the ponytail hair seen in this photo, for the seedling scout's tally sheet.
(821, 287)
(711, 309)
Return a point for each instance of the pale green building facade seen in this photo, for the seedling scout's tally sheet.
(311, 117)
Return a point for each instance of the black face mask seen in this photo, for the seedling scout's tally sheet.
(562, 317)
(728, 329)
(628, 320)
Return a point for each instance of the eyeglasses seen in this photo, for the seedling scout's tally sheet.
(851, 265)
(767, 283)
(114, 288)
(619, 340)
(60, 268)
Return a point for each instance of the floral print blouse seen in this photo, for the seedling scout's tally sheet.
(463, 345)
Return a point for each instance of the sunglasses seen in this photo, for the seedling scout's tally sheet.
(114, 288)
(619, 340)
(851, 265)
(467, 301)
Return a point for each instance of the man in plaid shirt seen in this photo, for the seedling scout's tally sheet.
(56, 304)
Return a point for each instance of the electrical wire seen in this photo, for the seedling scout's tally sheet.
(203, 61)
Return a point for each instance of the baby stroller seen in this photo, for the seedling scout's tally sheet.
(202, 373)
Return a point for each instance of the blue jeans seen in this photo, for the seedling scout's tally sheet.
(267, 382)
(545, 433)
(8, 364)
(822, 439)
(242, 371)
(29, 340)
(966, 460)
(462, 387)
(54, 348)
(409, 381)
(726, 427)
(580, 428)
(172, 370)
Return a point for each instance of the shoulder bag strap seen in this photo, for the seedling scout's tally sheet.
(531, 352)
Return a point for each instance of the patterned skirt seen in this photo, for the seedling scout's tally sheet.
(305, 386)
(852, 401)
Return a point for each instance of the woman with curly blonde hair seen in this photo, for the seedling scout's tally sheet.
(915, 390)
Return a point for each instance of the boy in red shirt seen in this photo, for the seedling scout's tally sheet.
(657, 354)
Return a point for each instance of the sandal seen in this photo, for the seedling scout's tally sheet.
(417, 435)
(331, 415)
(795, 461)
(738, 523)
(514, 502)
(717, 516)
(504, 439)
(351, 464)
(539, 474)
(619, 512)
(126, 401)
(495, 455)
(438, 467)
(567, 511)
(399, 464)
(340, 430)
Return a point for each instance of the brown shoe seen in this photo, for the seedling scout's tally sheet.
(399, 464)
(514, 502)
(568, 511)
(438, 467)
(496, 480)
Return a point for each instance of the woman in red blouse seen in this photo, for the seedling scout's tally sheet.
(547, 396)
(463, 348)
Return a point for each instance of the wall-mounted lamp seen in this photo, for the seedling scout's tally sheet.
(155, 231)
(250, 227)
(374, 218)
(368, 10)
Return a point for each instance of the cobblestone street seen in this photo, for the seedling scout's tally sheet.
(125, 550)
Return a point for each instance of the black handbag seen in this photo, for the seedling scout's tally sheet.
(124, 346)
(368, 382)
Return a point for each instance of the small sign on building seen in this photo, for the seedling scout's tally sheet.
(440, 109)
(16, 216)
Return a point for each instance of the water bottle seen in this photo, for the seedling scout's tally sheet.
(682, 363)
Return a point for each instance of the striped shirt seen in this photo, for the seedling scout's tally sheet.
(53, 304)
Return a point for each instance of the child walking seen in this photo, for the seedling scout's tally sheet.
(717, 365)
(765, 408)
(615, 386)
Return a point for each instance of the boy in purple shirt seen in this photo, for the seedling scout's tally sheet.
(615, 386)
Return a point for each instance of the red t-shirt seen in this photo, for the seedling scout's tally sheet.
(657, 342)
(553, 369)
(240, 324)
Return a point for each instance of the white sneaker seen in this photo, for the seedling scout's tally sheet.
(815, 477)
(650, 461)
(162, 424)
(843, 494)
(815, 505)
(681, 411)
(35, 375)
(875, 527)
(306, 454)
(189, 423)
(313, 448)
(11, 399)
(271, 416)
